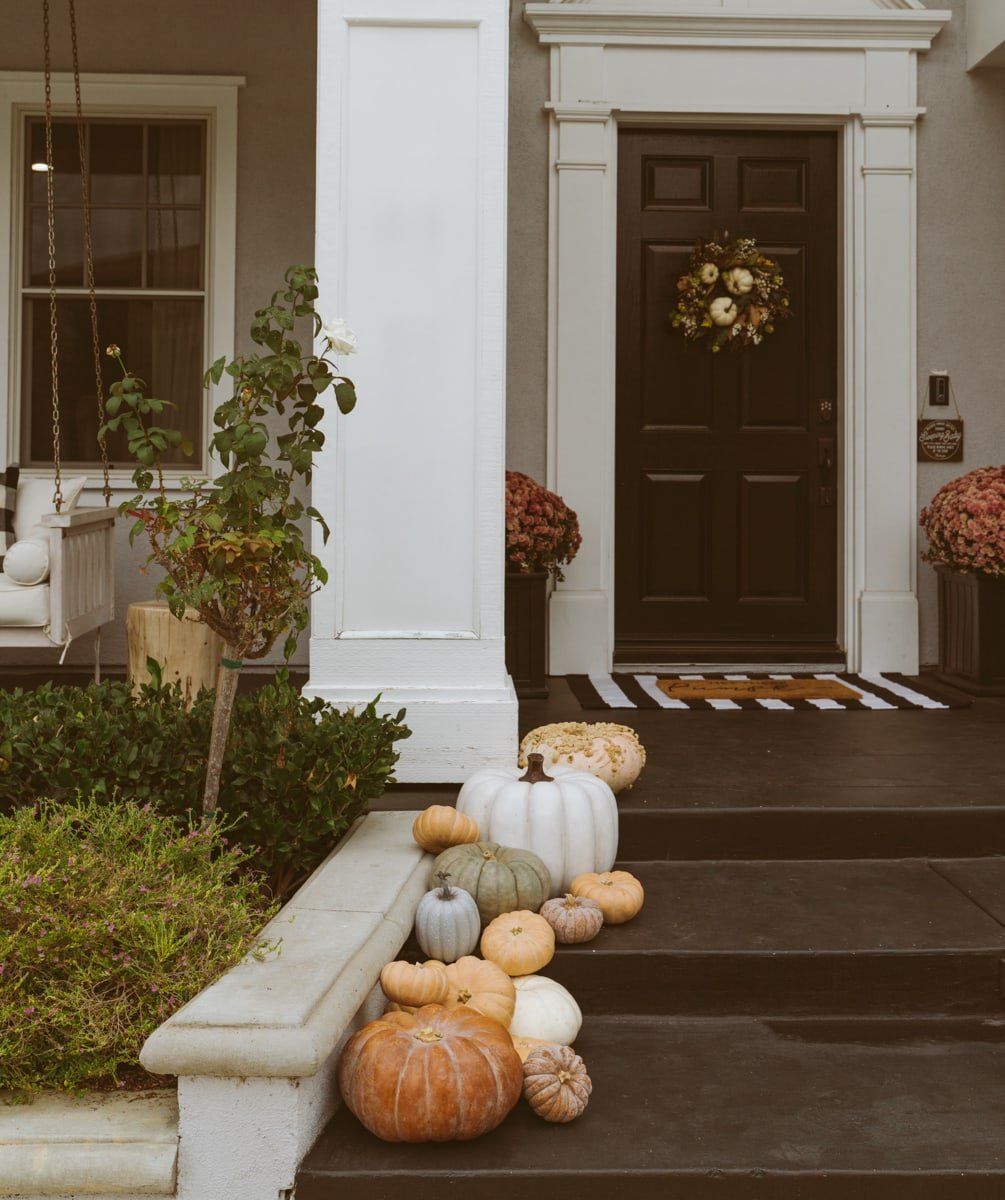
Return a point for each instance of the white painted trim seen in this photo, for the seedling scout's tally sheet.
(209, 97)
(617, 63)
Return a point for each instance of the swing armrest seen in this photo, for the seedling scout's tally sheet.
(79, 518)
(81, 570)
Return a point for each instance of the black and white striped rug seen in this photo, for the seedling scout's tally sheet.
(843, 692)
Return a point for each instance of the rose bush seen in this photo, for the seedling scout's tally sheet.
(965, 523)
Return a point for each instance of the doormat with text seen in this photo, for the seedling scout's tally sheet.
(772, 693)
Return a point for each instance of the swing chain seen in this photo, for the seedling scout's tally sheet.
(50, 211)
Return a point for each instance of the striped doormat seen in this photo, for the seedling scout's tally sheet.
(763, 692)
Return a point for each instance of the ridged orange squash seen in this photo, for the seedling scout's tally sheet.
(520, 942)
(414, 984)
(555, 1082)
(481, 986)
(440, 826)
(434, 1076)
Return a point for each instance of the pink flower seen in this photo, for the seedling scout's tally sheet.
(965, 525)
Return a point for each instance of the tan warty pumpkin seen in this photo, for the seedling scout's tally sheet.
(414, 984)
(619, 893)
(430, 1076)
(440, 826)
(520, 942)
(481, 986)
(611, 752)
(555, 1082)
(573, 918)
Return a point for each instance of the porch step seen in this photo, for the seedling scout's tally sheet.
(826, 936)
(744, 1109)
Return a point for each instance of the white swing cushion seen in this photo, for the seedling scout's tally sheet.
(34, 500)
(27, 563)
(23, 606)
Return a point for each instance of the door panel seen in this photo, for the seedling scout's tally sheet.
(726, 529)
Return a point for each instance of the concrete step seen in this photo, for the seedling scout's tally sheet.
(743, 1109)
(812, 937)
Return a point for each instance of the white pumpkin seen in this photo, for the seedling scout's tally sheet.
(739, 281)
(567, 818)
(611, 752)
(447, 922)
(723, 311)
(546, 1010)
(709, 273)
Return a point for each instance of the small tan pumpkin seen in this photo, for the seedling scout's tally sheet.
(414, 984)
(431, 1076)
(573, 918)
(520, 942)
(440, 826)
(619, 893)
(524, 1045)
(482, 987)
(555, 1082)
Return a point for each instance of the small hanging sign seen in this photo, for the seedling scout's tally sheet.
(940, 440)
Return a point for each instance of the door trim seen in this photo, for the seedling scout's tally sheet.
(869, 97)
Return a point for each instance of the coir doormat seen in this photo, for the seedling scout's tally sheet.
(772, 693)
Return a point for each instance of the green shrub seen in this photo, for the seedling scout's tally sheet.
(297, 771)
(111, 917)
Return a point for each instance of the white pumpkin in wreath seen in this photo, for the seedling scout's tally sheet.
(611, 752)
(567, 818)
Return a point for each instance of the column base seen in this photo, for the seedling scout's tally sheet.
(580, 633)
(888, 632)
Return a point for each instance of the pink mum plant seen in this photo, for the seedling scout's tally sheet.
(965, 523)
(542, 532)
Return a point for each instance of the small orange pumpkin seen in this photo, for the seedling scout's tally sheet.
(573, 918)
(555, 1082)
(520, 942)
(619, 893)
(430, 1077)
(440, 826)
(524, 1045)
(414, 984)
(481, 986)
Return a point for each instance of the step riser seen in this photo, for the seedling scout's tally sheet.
(751, 984)
(682, 834)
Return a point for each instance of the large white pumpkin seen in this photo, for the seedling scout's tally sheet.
(569, 819)
(611, 752)
(545, 1010)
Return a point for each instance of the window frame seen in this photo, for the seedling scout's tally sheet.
(212, 99)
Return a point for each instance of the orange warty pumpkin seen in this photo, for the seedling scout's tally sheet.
(481, 986)
(619, 893)
(414, 984)
(434, 1076)
(555, 1082)
(440, 826)
(520, 942)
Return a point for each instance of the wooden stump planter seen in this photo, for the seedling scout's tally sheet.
(971, 631)
(188, 650)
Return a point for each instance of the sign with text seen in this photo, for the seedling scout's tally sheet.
(940, 441)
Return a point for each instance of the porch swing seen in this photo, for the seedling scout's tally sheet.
(57, 578)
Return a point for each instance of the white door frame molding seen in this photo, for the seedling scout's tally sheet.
(854, 70)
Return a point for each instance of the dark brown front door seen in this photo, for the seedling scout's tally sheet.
(726, 464)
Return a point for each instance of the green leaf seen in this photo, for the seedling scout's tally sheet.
(345, 396)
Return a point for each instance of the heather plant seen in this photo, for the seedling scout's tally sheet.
(296, 774)
(965, 523)
(542, 532)
(111, 917)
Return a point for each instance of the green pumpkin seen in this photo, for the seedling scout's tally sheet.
(500, 879)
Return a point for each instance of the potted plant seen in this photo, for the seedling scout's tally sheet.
(233, 548)
(965, 527)
(542, 534)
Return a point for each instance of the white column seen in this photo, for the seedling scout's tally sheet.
(411, 250)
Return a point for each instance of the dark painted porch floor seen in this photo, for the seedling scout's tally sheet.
(810, 1003)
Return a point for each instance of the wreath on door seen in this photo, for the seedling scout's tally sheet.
(732, 295)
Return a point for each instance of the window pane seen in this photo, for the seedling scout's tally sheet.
(116, 154)
(161, 342)
(69, 226)
(175, 164)
(65, 153)
(174, 248)
(117, 237)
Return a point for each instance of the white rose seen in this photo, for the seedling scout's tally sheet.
(722, 311)
(339, 336)
(709, 273)
(739, 281)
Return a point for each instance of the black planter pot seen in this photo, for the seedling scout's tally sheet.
(526, 627)
(971, 631)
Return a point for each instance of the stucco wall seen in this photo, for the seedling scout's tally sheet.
(961, 260)
(275, 194)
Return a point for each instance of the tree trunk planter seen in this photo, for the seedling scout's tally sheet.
(971, 631)
(527, 632)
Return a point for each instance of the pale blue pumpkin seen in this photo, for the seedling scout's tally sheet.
(447, 922)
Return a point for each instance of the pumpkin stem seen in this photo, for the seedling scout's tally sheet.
(446, 893)
(535, 770)
(427, 1035)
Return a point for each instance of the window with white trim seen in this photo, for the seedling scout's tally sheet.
(161, 155)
